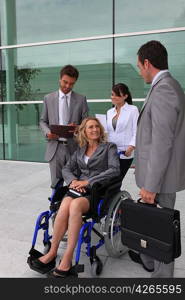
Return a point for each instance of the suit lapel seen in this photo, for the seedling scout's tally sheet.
(109, 120)
(96, 153)
(82, 153)
(72, 104)
(55, 104)
(163, 75)
(123, 117)
(93, 156)
(144, 104)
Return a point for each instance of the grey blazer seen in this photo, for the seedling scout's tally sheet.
(160, 139)
(102, 165)
(50, 115)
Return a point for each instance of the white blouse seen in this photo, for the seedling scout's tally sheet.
(125, 133)
(86, 158)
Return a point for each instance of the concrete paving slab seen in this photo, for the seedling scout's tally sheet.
(25, 187)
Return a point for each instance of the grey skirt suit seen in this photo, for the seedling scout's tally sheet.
(102, 165)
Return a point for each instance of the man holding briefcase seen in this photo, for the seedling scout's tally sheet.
(160, 141)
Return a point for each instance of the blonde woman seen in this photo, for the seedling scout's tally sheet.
(94, 160)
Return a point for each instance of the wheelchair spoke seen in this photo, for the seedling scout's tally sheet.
(113, 243)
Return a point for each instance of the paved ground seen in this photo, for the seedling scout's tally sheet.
(24, 193)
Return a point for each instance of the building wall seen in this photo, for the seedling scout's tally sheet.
(99, 37)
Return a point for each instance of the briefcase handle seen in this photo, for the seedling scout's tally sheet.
(153, 204)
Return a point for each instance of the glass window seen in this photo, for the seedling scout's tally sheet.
(144, 15)
(126, 59)
(23, 138)
(29, 73)
(1, 133)
(32, 72)
(46, 20)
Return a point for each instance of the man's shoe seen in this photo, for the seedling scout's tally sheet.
(137, 259)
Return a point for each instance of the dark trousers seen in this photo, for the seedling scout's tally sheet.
(124, 166)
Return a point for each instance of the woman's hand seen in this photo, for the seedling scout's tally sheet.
(73, 184)
(129, 150)
(79, 185)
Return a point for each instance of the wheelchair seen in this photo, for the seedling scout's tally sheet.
(105, 213)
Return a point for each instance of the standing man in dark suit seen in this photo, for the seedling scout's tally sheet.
(63, 107)
(160, 141)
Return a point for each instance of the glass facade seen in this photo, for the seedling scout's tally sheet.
(99, 37)
(148, 15)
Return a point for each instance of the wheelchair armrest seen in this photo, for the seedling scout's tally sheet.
(105, 189)
(58, 183)
(110, 184)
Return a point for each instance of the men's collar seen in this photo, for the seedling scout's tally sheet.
(157, 76)
(61, 94)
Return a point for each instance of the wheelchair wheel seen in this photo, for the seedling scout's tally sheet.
(112, 228)
(96, 267)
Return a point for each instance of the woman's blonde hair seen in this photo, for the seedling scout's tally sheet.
(81, 135)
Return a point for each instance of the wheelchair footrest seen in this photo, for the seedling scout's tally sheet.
(33, 255)
(37, 266)
(78, 268)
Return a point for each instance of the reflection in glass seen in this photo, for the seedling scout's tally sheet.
(132, 16)
(126, 59)
(1, 132)
(23, 139)
(48, 20)
(34, 71)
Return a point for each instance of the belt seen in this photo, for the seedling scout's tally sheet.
(63, 142)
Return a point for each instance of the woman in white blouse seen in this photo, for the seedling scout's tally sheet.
(122, 125)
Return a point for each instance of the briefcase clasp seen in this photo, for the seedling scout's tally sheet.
(143, 243)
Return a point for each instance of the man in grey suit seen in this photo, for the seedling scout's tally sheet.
(160, 141)
(63, 107)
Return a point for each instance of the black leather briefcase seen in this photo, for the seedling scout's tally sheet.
(151, 230)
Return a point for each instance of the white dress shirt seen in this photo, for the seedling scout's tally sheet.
(86, 159)
(157, 75)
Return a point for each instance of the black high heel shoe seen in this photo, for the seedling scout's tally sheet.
(42, 268)
(56, 273)
(38, 266)
(72, 272)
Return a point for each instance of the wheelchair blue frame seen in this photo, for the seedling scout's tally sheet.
(109, 235)
(42, 222)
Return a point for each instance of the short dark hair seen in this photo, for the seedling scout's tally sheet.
(122, 89)
(156, 53)
(70, 71)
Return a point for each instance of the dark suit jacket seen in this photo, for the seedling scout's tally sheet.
(50, 115)
(102, 165)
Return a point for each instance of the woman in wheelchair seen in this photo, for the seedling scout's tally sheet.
(95, 160)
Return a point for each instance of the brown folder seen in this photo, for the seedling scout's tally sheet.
(65, 131)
